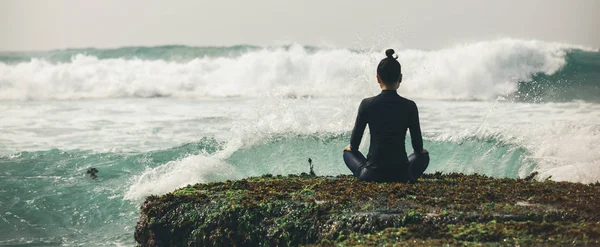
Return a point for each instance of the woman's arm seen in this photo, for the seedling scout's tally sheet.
(415, 132)
(359, 126)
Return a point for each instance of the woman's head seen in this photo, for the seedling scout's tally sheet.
(389, 70)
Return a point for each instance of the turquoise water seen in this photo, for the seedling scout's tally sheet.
(152, 119)
(50, 200)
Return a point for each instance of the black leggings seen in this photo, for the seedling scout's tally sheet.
(357, 163)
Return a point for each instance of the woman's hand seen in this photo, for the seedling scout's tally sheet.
(347, 148)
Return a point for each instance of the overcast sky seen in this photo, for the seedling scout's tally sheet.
(423, 24)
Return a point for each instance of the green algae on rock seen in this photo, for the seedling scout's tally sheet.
(343, 211)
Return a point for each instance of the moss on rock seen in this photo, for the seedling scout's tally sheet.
(343, 211)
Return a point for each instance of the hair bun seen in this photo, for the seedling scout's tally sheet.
(390, 53)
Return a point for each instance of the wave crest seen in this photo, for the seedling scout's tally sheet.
(477, 71)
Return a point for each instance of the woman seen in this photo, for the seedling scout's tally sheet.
(389, 116)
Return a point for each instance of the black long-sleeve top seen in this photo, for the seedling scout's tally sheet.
(389, 116)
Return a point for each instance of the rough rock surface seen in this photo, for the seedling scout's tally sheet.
(325, 211)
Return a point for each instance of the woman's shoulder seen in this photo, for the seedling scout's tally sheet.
(364, 103)
(408, 101)
(369, 99)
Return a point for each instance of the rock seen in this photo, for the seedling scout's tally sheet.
(325, 211)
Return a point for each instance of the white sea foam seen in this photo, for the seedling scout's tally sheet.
(561, 139)
(567, 150)
(481, 71)
(179, 173)
(176, 174)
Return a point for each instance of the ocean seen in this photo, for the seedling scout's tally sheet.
(152, 119)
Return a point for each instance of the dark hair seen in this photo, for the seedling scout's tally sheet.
(389, 68)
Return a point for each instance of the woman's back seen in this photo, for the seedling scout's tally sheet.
(389, 116)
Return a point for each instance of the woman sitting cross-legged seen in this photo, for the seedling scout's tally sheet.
(389, 116)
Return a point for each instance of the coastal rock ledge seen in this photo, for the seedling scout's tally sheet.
(439, 209)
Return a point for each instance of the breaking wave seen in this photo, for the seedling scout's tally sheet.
(505, 69)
